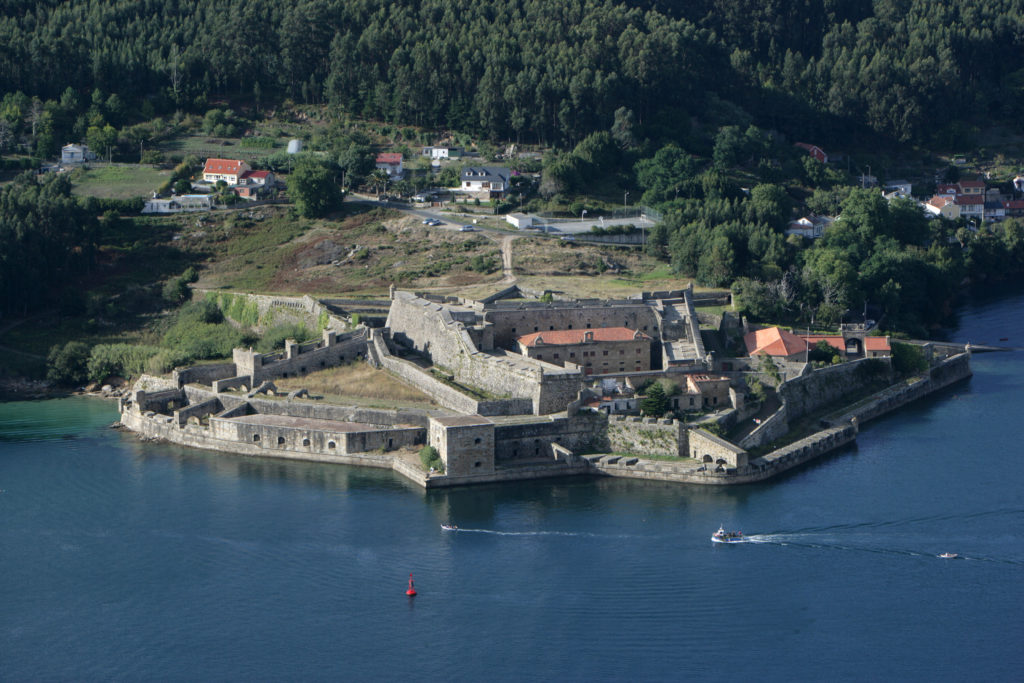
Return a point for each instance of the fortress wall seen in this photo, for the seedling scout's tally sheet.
(430, 329)
(233, 383)
(519, 442)
(807, 393)
(203, 374)
(649, 436)
(198, 410)
(708, 448)
(198, 436)
(773, 427)
(446, 396)
(316, 356)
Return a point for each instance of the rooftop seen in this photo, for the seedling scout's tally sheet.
(773, 341)
(582, 336)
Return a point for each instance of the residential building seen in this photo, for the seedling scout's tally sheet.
(813, 150)
(853, 345)
(1014, 207)
(811, 227)
(710, 391)
(185, 203)
(493, 180)
(775, 342)
(601, 350)
(390, 162)
(901, 188)
(228, 170)
(942, 205)
(75, 154)
(442, 152)
(971, 205)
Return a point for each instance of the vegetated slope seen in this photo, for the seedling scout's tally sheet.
(536, 70)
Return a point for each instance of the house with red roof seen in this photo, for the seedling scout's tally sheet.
(228, 170)
(815, 151)
(942, 205)
(775, 342)
(971, 205)
(1014, 207)
(853, 346)
(390, 162)
(602, 350)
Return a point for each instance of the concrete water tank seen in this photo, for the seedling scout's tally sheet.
(294, 146)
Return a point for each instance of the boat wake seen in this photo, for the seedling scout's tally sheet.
(578, 534)
(817, 542)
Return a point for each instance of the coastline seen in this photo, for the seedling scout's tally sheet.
(837, 433)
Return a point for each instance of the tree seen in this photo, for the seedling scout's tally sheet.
(312, 188)
(655, 403)
(68, 364)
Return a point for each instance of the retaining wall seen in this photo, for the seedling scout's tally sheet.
(646, 436)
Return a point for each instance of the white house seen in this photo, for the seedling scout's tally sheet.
(492, 179)
(228, 170)
(942, 205)
(442, 152)
(183, 204)
(75, 154)
(900, 187)
(811, 227)
(391, 162)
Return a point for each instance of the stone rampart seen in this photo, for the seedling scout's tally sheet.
(771, 428)
(274, 310)
(198, 410)
(530, 441)
(817, 389)
(243, 382)
(436, 332)
(203, 374)
(444, 395)
(709, 449)
(300, 359)
(646, 436)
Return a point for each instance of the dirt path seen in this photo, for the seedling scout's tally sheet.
(508, 277)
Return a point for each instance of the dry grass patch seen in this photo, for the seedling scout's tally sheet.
(356, 380)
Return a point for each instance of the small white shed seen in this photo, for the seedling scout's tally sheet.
(520, 220)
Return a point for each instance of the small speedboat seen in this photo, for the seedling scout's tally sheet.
(949, 556)
(449, 527)
(723, 536)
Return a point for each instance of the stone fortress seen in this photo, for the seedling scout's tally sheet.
(504, 415)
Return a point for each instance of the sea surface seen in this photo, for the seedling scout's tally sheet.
(130, 561)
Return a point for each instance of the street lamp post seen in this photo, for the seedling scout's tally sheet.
(582, 214)
(625, 198)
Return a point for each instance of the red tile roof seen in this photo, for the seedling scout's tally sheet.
(1014, 204)
(223, 166)
(774, 342)
(938, 201)
(969, 200)
(256, 174)
(565, 337)
(972, 183)
(838, 343)
(389, 158)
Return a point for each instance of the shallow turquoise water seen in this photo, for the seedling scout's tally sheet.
(131, 561)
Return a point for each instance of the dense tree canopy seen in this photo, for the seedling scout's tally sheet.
(534, 70)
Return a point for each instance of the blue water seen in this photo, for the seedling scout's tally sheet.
(121, 560)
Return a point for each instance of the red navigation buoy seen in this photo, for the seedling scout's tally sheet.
(412, 591)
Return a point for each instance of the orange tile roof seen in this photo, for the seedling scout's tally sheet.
(223, 166)
(389, 158)
(565, 337)
(774, 342)
(837, 342)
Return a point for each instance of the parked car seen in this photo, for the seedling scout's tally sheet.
(567, 238)
(467, 228)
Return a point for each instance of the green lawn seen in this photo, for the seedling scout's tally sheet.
(118, 181)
